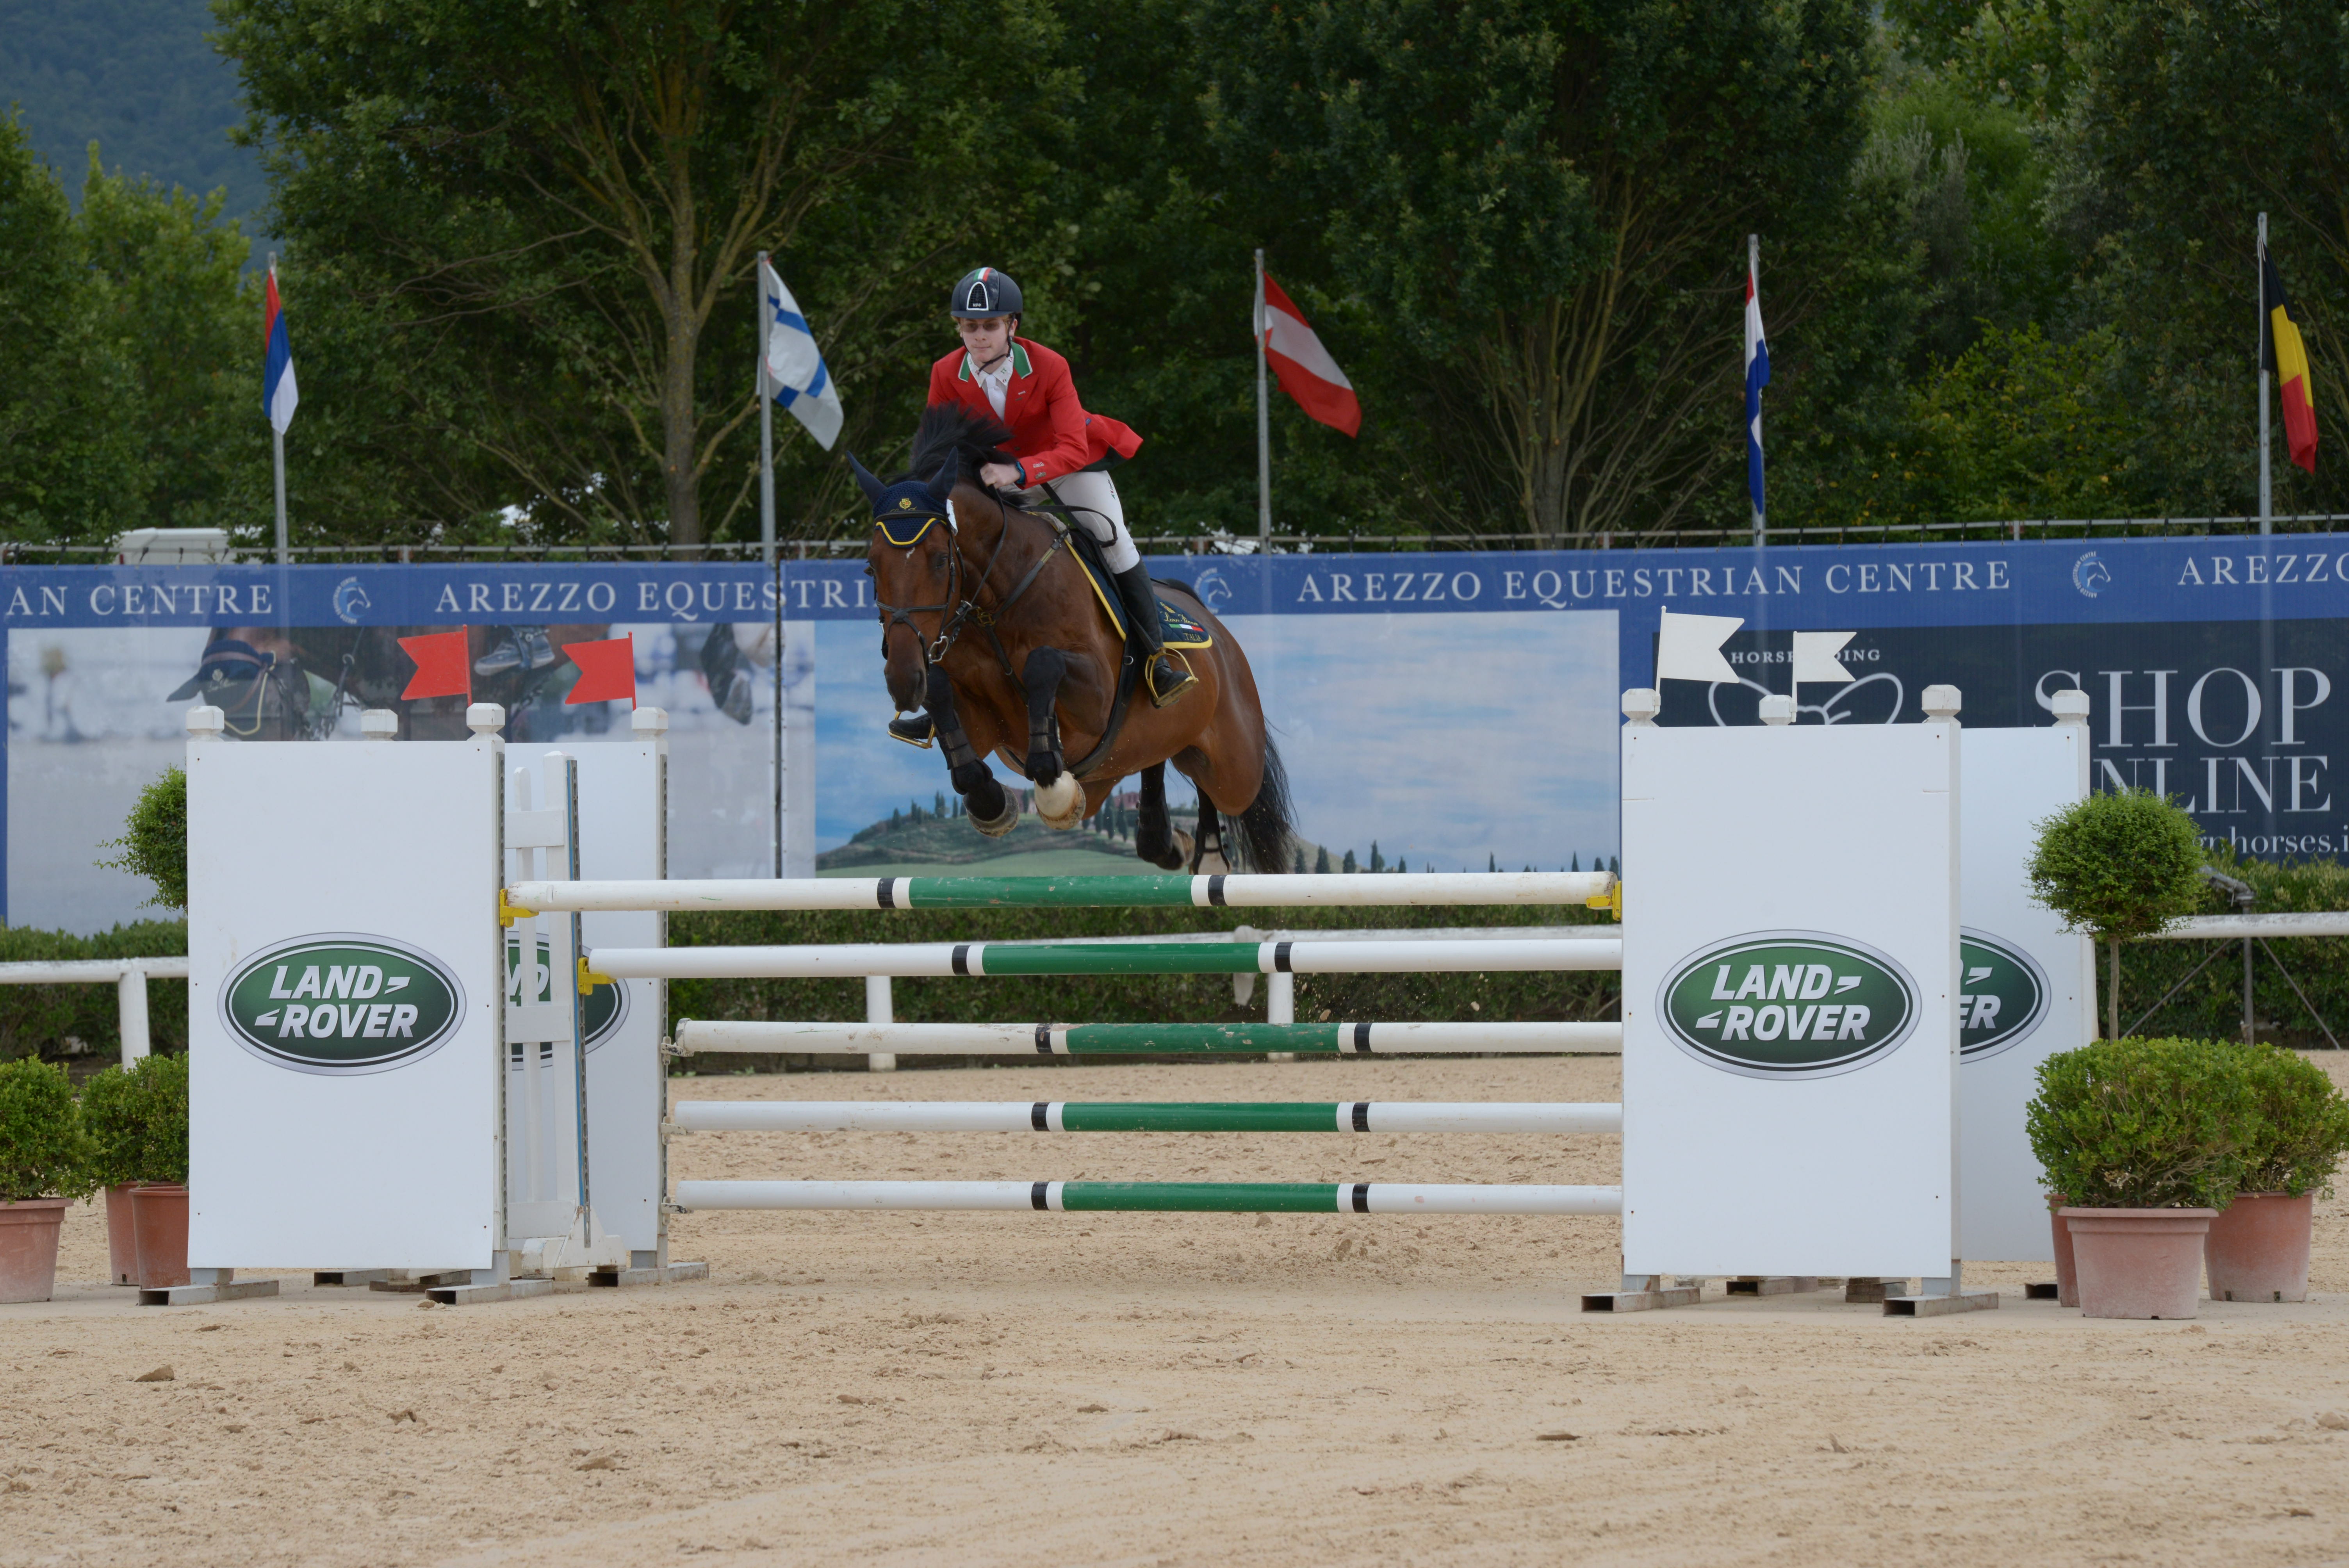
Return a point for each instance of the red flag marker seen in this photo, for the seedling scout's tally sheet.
(442, 668)
(607, 671)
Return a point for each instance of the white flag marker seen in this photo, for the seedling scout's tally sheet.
(1688, 647)
(796, 372)
(1814, 658)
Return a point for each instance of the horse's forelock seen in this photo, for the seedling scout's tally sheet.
(945, 430)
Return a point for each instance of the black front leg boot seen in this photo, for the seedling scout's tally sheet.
(1166, 676)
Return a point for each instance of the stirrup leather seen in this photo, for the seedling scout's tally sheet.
(916, 730)
(1169, 676)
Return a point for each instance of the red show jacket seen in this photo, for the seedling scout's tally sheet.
(1051, 434)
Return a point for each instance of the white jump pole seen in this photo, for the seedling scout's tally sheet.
(1360, 890)
(1085, 1039)
(1055, 1116)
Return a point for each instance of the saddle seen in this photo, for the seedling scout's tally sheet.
(1177, 629)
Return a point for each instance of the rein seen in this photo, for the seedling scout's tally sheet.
(965, 607)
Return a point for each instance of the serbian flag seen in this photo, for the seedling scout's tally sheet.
(607, 671)
(277, 394)
(1757, 377)
(2283, 355)
(1303, 368)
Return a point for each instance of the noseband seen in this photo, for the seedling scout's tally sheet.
(964, 607)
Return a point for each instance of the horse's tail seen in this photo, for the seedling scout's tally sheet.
(1264, 832)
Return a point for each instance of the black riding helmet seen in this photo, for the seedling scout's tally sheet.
(984, 292)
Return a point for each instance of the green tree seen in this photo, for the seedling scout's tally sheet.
(1549, 204)
(2185, 122)
(555, 214)
(2118, 865)
(63, 441)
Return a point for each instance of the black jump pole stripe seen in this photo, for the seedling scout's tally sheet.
(883, 894)
(1216, 891)
(1040, 1116)
(1280, 956)
(1363, 1039)
(1039, 1194)
(1361, 1197)
(1361, 1116)
(1043, 1039)
(962, 958)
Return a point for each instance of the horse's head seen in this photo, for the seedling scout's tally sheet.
(917, 572)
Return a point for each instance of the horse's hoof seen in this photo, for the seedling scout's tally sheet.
(1062, 803)
(1179, 856)
(996, 827)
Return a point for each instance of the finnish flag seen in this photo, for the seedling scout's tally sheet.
(803, 383)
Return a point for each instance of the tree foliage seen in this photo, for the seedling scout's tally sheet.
(555, 210)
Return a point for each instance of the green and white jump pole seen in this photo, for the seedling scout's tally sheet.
(1157, 1197)
(1360, 890)
(916, 959)
(696, 1035)
(1139, 1116)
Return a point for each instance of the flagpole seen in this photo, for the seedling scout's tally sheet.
(277, 451)
(2267, 493)
(767, 536)
(1753, 280)
(1262, 425)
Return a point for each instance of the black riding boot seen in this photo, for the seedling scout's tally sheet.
(914, 730)
(1166, 676)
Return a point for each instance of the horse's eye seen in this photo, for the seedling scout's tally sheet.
(938, 564)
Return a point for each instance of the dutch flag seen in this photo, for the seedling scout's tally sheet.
(803, 383)
(1757, 377)
(278, 396)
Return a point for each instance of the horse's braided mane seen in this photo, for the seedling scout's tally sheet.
(974, 438)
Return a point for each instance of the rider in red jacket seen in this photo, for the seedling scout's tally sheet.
(1057, 444)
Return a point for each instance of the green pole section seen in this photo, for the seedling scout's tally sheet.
(1205, 1117)
(1203, 1197)
(1040, 893)
(1124, 958)
(1104, 1039)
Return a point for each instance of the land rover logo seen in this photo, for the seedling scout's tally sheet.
(2002, 994)
(607, 1004)
(342, 1002)
(1788, 1004)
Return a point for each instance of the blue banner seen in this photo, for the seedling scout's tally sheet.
(1435, 710)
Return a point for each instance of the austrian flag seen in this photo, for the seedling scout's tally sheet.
(1303, 368)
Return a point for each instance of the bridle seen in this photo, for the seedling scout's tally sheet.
(959, 607)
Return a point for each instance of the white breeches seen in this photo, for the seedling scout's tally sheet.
(1092, 498)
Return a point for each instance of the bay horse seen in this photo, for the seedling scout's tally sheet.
(990, 624)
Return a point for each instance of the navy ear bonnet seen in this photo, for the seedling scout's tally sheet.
(904, 511)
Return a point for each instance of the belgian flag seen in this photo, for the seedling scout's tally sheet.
(2283, 356)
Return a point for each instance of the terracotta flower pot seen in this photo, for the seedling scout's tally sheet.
(2258, 1248)
(159, 1218)
(2138, 1262)
(28, 1248)
(121, 1241)
(2067, 1273)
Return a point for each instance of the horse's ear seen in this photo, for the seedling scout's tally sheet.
(949, 472)
(872, 487)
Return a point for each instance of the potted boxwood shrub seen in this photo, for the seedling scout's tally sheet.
(2257, 1249)
(110, 1118)
(44, 1166)
(146, 1142)
(2148, 1138)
